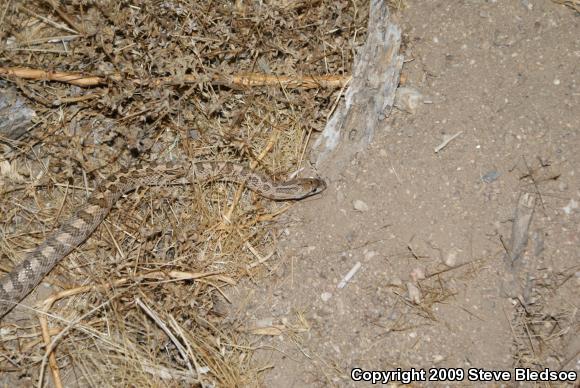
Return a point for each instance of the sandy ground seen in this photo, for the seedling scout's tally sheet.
(433, 289)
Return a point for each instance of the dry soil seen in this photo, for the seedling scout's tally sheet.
(433, 288)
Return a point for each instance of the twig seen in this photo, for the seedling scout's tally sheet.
(155, 317)
(51, 345)
(446, 140)
(49, 39)
(349, 275)
(63, 15)
(33, 50)
(51, 356)
(46, 304)
(64, 198)
(69, 100)
(158, 275)
(271, 216)
(261, 259)
(179, 330)
(170, 374)
(4, 14)
(46, 20)
(234, 81)
(533, 179)
(115, 242)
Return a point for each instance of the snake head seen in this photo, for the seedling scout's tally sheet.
(305, 187)
(314, 186)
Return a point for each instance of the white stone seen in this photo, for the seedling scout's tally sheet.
(325, 296)
(360, 205)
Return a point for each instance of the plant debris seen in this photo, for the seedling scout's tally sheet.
(145, 81)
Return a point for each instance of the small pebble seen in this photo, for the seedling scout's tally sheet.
(360, 205)
(408, 99)
(438, 358)
(325, 296)
(351, 236)
(490, 176)
(414, 293)
(194, 134)
(370, 254)
(527, 4)
(451, 257)
(562, 186)
(570, 207)
(396, 281)
(418, 273)
(265, 322)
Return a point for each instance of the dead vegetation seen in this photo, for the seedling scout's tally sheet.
(143, 299)
(545, 326)
(574, 4)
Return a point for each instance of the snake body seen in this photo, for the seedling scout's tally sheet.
(25, 276)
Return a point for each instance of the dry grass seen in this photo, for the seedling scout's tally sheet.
(574, 4)
(146, 300)
(545, 326)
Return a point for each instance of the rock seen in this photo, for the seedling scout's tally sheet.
(571, 206)
(418, 273)
(562, 186)
(414, 293)
(438, 358)
(396, 281)
(408, 99)
(490, 176)
(325, 296)
(360, 205)
(450, 259)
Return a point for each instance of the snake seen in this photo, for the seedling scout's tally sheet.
(25, 276)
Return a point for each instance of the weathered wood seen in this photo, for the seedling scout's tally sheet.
(521, 225)
(370, 95)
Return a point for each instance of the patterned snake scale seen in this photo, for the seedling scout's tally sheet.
(73, 232)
